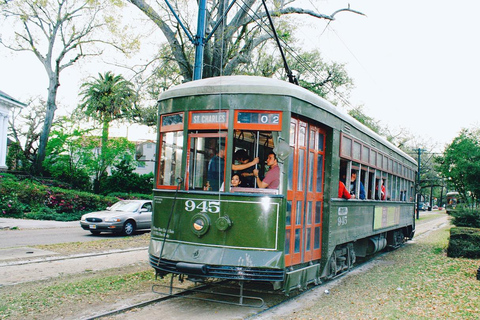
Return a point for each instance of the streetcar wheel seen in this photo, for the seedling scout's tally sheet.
(95, 233)
(128, 228)
(332, 265)
(351, 257)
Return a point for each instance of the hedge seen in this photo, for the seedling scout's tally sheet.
(464, 242)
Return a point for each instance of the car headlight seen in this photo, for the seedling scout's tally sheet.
(83, 218)
(114, 219)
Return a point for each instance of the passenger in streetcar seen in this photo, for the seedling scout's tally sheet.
(343, 192)
(272, 178)
(215, 174)
(353, 186)
(236, 182)
(383, 192)
(245, 168)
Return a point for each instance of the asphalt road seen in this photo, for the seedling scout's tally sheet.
(22, 233)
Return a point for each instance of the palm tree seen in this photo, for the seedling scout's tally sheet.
(108, 98)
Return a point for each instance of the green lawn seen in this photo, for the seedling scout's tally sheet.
(417, 281)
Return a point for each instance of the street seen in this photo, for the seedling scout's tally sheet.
(18, 232)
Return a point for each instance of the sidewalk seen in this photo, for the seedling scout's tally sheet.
(10, 223)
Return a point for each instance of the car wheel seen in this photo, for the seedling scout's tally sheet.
(128, 228)
(95, 233)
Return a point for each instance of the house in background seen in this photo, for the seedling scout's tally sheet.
(145, 156)
(6, 104)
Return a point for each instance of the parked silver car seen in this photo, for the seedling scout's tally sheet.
(125, 216)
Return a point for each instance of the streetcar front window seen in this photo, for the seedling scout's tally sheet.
(170, 163)
(207, 162)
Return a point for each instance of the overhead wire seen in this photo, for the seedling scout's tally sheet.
(293, 54)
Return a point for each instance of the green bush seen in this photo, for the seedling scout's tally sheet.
(46, 213)
(130, 196)
(124, 180)
(466, 218)
(17, 197)
(10, 206)
(464, 242)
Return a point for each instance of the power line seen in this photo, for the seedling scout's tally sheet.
(294, 55)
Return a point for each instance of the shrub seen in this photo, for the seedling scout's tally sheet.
(46, 213)
(464, 242)
(466, 218)
(10, 206)
(17, 197)
(130, 196)
(124, 180)
(41, 213)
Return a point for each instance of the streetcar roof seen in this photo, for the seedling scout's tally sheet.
(268, 86)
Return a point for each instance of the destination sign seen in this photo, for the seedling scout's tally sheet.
(173, 119)
(209, 117)
(258, 117)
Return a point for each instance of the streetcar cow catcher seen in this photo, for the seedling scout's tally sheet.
(207, 225)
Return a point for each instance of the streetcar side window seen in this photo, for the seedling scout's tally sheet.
(379, 174)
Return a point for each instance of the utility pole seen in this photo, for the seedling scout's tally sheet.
(418, 183)
(200, 40)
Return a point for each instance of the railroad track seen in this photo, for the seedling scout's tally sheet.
(199, 293)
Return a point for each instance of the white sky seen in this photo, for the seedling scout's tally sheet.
(415, 64)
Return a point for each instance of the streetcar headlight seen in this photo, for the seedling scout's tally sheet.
(199, 224)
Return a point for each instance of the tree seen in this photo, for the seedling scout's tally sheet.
(66, 154)
(25, 127)
(460, 163)
(117, 150)
(366, 120)
(59, 33)
(235, 42)
(108, 98)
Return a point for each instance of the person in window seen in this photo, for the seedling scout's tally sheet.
(216, 166)
(343, 192)
(383, 192)
(236, 182)
(272, 178)
(245, 168)
(353, 186)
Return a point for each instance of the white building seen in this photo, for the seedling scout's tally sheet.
(6, 104)
(145, 155)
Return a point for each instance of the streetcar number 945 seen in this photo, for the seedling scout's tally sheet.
(203, 206)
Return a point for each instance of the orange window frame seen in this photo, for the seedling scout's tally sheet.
(173, 127)
(202, 135)
(258, 126)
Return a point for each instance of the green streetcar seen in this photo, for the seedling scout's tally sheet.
(296, 234)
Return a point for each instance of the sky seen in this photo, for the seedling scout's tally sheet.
(415, 64)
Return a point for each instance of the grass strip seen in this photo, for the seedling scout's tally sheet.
(417, 281)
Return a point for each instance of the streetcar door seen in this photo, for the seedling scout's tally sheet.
(305, 193)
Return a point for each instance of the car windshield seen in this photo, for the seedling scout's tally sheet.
(125, 206)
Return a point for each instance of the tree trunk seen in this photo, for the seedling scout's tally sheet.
(49, 116)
